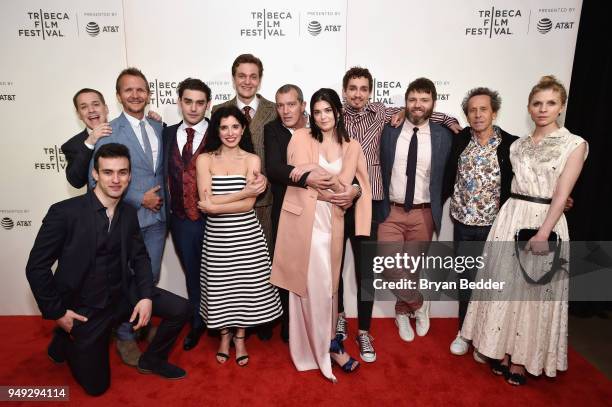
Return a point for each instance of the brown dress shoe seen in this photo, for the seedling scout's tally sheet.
(129, 352)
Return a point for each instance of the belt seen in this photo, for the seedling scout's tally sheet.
(414, 206)
(535, 199)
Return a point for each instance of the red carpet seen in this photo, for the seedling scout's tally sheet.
(419, 373)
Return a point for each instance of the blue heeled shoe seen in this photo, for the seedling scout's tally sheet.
(336, 346)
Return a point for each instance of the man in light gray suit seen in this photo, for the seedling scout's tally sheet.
(146, 191)
(413, 160)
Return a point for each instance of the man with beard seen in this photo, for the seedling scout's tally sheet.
(146, 191)
(413, 159)
(364, 122)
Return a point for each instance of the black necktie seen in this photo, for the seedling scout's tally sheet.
(411, 170)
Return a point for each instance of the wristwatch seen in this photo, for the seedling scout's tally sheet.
(358, 188)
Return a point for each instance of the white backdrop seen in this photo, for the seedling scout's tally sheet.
(51, 49)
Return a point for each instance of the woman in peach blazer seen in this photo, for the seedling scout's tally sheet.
(308, 248)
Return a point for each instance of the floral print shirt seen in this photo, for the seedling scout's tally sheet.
(475, 199)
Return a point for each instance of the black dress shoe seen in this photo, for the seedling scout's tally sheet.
(161, 368)
(264, 332)
(56, 349)
(192, 338)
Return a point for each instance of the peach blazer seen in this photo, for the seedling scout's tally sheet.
(292, 251)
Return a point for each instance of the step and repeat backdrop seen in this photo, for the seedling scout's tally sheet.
(51, 49)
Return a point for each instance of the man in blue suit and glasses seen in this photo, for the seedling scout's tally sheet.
(146, 191)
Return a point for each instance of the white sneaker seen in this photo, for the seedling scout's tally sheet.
(459, 346)
(479, 357)
(422, 319)
(405, 329)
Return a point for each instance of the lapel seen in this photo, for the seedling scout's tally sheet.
(435, 150)
(157, 128)
(395, 132)
(263, 110)
(125, 128)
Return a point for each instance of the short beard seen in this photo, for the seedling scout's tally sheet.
(413, 120)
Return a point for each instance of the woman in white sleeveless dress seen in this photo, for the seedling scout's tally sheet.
(530, 335)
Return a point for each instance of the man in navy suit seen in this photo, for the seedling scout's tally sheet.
(183, 142)
(413, 159)
(146, 192)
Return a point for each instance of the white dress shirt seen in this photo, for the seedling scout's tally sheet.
(254, 104)
(397, 188)
(181, 135)
(135, 123)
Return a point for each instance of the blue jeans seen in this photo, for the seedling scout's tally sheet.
(187, 237)
(467, 233)
(154, 237)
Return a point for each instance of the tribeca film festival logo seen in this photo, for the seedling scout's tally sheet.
(319, 22)
(267, 24)
(495, 22)
(10, 222)
(54, 160)
(162, 92)
(93, 28)
(5, 96)
(386, 91)
(45, 24)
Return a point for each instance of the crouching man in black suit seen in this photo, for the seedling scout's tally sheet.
(103, 276)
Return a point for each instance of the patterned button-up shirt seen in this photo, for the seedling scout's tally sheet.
(475, 199)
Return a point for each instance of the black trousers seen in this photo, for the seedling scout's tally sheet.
(86, 347)
(363, 265)
(477, 235)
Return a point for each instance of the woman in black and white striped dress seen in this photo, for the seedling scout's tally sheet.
(235, 271)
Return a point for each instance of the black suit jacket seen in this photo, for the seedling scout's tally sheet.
(68, 235)
(276, 140)
(78, 157)
(460, 142)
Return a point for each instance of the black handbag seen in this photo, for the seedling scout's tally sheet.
(521, 238)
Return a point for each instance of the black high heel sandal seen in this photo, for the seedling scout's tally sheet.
(243, 357)
(225, 356)
(498, 369)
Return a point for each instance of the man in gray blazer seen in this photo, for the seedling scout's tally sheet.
(146, 191)
(413, 159)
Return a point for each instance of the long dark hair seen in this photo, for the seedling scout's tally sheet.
(213, 142)
(330, 96)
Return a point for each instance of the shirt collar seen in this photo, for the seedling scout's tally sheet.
(351, 111)
(133, 121)
(98, 206)
(200, 128)
(493, 139)
(254, 104)
(411, 125)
